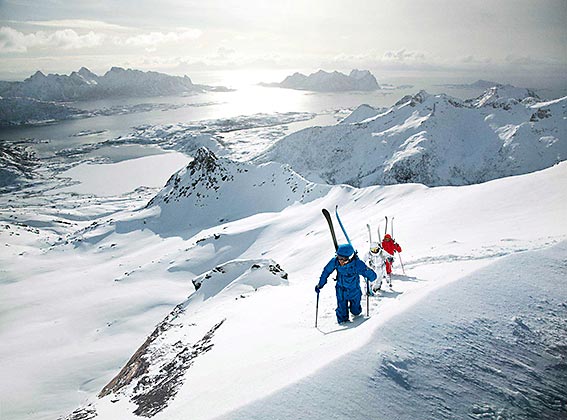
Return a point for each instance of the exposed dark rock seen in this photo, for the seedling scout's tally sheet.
(83, 413)
(152, 393)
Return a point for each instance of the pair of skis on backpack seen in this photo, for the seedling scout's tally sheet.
(379, 249)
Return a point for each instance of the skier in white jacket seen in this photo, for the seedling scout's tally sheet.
(375, 258)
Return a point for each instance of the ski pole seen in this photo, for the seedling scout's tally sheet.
(317, 310)
(367, 299)
(402, 263)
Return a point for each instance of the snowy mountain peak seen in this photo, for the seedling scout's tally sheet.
(359, 74)
(38, 75)
(86, 73)
(364, 78)
(116, 70)
(199, 193)
(83, 71)
(360, 114)
(503, 96)
(204, 160)
(85, 76)
(202, 176)
(413, 100)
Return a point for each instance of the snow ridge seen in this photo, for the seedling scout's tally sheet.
(432, 139)
(156, 371)
(199, 193)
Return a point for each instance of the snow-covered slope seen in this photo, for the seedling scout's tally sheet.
(246, 338)
(84, 84)
(504, 96)
(434, 140)
(361, 113)
(322, 81)
(213, 190)
(490, 346)
(152, 377)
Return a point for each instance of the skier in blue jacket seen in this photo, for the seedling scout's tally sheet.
(349, 269)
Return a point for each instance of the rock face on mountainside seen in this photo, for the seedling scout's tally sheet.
(213, 189)
(85, 85)
(152, 377)
(17, 165)
(432, 139)
(322, 81)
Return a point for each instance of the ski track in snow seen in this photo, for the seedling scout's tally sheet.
(487, 252)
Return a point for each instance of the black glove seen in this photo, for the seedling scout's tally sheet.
(317, 289)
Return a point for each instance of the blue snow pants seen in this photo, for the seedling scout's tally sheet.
(347, 299)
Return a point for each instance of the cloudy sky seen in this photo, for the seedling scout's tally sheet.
(500, 37)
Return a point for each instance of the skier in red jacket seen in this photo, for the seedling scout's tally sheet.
(390, 246)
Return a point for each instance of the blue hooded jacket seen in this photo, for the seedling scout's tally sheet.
(348, 274)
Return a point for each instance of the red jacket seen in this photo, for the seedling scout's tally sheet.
(390, 246)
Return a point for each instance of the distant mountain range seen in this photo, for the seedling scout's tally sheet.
(432, 139)
(42, 98)
(85, 85)
(322, 81)
(479, 84)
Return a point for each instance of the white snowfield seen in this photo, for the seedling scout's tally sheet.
(474, 328)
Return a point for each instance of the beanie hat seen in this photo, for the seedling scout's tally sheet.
(345, 250)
